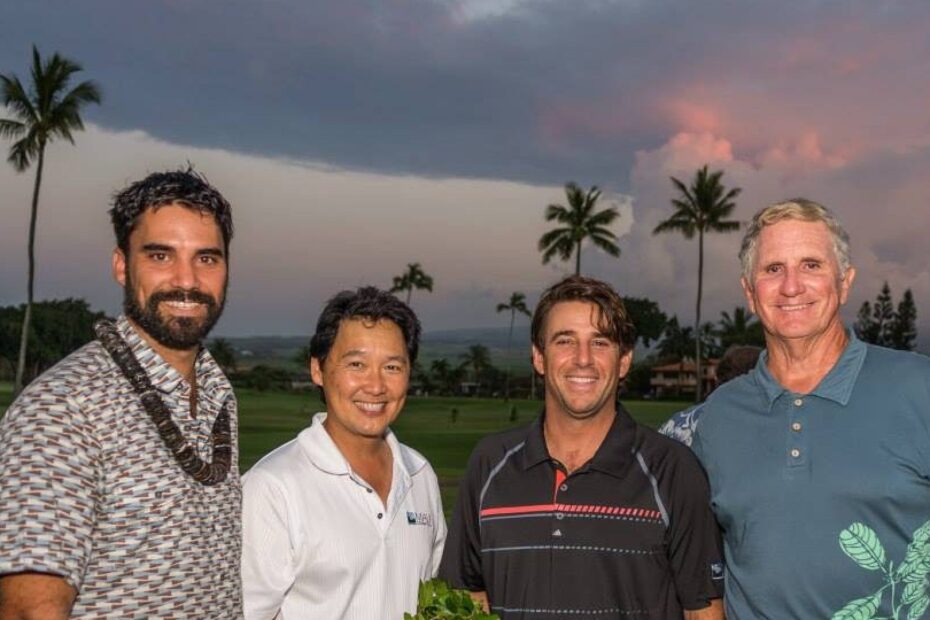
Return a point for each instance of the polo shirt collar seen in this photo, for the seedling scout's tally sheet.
(165, 378)
(325, 455)
(837, 385)
(612, 457)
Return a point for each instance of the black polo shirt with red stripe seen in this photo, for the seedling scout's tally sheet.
(628, 535)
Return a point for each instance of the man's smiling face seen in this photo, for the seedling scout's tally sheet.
(174, 275)
(582, 366)
(364, 379)
(796, 288)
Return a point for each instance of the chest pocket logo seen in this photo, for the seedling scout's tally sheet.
(419, 518)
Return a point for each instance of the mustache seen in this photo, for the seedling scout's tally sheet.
(182, 295)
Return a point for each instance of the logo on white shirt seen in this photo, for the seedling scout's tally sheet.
(419, 518)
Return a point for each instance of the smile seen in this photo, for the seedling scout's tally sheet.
(370, 407)
(183, 305)
(795, 307)
(581, 380)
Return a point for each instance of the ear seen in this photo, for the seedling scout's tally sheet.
(626, 361)
(539, 361)
(118, 263)
(316, 371)
(747, 292)
(846, 284)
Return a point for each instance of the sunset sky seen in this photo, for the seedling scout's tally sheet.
(353, 137)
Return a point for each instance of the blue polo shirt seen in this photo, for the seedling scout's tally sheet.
(824, 498)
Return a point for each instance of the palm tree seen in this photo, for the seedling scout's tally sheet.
(739, 328)
(478, 358)
(579, 222)
(676, 343)
(413, 278)
(701, 208)
(44, 112)
(516, 304)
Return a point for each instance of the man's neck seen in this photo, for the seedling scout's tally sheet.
(181, 360)
(800, 365)
(369, 457)
(574, 442)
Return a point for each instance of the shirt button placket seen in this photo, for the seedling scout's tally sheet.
(797, 453)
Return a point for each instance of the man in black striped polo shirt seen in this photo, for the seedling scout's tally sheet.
(585, 513)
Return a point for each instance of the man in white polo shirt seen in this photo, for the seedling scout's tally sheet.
(345, 521)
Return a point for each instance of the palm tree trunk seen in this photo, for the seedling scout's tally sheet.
(27, 317)
(409, 294)
(578, 260)
(697, 314)
(513, 314)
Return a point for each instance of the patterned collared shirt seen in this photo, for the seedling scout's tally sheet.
(89, 491)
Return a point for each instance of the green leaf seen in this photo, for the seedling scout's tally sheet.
(860, 542)
(918, 609)
(859, 609)
(436, 601)
(922, 534)
(912, 592)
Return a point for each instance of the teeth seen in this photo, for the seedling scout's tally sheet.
(794, 307)
(582, 379)
(183, 305)
(372, 407)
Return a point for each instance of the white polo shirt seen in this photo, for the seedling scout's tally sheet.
(319, 543)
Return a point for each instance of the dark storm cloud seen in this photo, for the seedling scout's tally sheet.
(544, 92)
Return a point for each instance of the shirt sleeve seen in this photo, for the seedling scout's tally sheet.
(50, 462)
(461, 561)
(439, 542)
(268, 557)
(695, 548)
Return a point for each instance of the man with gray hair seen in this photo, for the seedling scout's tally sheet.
(818, 459)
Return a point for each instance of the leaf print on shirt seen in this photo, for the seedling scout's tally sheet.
(906, 585)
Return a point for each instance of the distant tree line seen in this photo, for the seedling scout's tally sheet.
(883, 324)
(58, 327)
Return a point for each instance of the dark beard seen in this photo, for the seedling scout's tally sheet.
(180, 333)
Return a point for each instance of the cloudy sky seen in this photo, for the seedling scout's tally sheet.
(353, 137)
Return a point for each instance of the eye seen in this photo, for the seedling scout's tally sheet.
(208, 259)
(601, 343)
(812, 265)
(563, 341)
(158, 257)
(355, 365)
(773, 268)
(394, 368)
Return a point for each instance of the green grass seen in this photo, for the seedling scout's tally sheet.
(269, 419)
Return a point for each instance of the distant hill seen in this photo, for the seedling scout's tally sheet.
(282, 351)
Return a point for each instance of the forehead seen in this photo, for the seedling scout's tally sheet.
(794, 239)
(365, 335)
(176, 223)
(574, 316)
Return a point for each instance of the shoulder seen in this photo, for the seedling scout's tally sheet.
(86, 376)
(891, 362)
(497, 445)
(660, 450)
(276, 467)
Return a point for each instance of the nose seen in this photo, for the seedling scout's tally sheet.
(792, 284)
(583, 354)
(374, 381)
(184, 275)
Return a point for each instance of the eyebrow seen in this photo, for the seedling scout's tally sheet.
(161, 247)
(355, 352)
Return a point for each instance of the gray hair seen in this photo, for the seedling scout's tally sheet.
(794, 209)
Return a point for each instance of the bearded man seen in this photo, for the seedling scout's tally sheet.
(119, 489)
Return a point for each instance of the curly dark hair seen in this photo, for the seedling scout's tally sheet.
(613, 319)
(370, 304)
(184, 187)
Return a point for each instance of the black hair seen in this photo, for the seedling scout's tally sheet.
(370, 304)
(184, 187)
